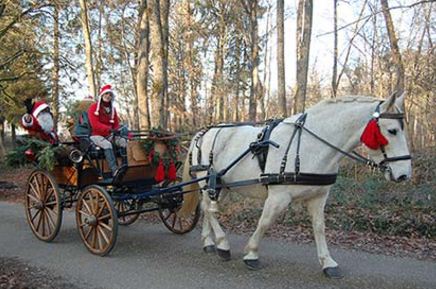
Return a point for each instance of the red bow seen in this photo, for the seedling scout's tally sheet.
(372, 136)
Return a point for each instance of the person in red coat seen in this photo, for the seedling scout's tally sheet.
(38, 121)
(104, 121)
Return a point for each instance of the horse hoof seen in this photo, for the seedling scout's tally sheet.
(333, 273)
(224, 254)
(252, 264)
(209, 249)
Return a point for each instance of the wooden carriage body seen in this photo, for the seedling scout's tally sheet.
(100, 204)
(139, 169)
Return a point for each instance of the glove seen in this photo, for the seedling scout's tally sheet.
(115, 131)
(29, 105)
(27, 118)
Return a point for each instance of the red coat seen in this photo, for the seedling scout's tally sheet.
(101, 124)
(36, 131)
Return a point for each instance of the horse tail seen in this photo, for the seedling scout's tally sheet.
(191, 199)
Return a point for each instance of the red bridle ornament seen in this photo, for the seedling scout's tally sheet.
(372, 136)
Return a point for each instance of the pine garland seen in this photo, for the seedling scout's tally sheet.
(32, 150)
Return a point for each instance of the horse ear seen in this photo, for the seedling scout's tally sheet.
(397, 97)
(399, 100)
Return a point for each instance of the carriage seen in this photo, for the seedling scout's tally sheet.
(218, 162)
(83, 179)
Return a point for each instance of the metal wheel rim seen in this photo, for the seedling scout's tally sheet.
(96, 220)
(43, 205)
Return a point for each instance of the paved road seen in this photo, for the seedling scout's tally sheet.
(149, 256)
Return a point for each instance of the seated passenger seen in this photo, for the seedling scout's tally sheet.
(38, 121)
(104, 121)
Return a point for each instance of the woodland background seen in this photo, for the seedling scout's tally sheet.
(181, 65)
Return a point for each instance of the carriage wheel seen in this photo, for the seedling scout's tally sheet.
(176, 223)
(169, 212)
(96, 220)
(43, 205)
(124, 206)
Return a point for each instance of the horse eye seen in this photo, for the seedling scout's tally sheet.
(392, 131)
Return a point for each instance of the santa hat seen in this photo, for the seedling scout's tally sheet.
(38, 107)
(105, 89)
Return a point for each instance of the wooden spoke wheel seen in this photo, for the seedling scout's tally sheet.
(124, 206)
(170, 212)
(176, 223)
(43, 205)
(96, 220)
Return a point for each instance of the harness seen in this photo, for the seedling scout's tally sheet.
(261, 147)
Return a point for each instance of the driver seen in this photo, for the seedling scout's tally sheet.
(104, 121)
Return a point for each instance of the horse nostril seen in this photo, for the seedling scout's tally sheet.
(402, 178)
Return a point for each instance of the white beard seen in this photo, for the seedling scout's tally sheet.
(45, 120)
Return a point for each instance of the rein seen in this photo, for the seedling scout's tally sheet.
(353, 155)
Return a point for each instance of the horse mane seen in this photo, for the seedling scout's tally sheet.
(345, 100)
(351, 98)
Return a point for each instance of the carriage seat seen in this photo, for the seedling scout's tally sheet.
(94, 152)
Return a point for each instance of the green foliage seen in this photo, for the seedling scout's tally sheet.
(171, 142)
(45, 154)
(21, 70)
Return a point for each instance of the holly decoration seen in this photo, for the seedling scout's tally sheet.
(165, 163)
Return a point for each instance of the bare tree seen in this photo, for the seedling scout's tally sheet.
(159, 87)
(304, 31)
(335, 48)
(88, 48)
(396, 55)
(55, 71)
(281, 83)
(142, 100)
(251, 8)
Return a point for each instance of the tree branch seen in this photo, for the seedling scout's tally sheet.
(375, 13)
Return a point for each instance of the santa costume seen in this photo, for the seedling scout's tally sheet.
(102, 115)
(39, 122)
(104, 120)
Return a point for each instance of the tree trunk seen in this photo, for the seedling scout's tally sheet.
(13, 135)
(396, 55)
(335, 49)
(142, 100)
(2, 137)
(164, 16)
(218, 86)
(304, 31)
(254, 69)
(55, 72)
(237, 86)
(281, 82)
(158, 56)
(88, 48)
(192, 75)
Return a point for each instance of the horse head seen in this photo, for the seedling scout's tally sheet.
(386, 136)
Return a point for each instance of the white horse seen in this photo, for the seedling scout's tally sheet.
(340, 122)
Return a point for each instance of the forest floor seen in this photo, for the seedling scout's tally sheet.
(373, 216)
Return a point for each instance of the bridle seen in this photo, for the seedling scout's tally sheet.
(299, 124)
(389, 115)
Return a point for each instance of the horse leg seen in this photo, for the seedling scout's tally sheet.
(222, 244)
(315, 208)
(274, 205)
(206, 232)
